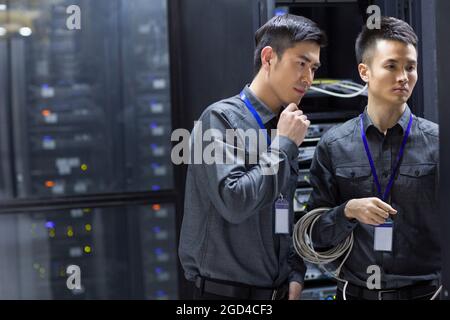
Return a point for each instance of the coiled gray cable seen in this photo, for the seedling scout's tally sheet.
(303, 245)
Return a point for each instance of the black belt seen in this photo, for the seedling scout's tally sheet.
(405, 293)
(232, 290)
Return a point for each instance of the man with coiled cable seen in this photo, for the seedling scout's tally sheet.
(378, 173)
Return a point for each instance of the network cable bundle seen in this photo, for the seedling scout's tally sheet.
(338, 88)
(304, 246)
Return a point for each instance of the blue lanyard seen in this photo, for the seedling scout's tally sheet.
(397, 164)
(255, 115)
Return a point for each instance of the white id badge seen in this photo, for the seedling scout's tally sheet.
(281, 216)
(383, 237)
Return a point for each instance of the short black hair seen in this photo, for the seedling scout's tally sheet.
(283, 32)
(390, 29)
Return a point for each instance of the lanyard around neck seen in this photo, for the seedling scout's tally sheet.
(255, 114)
(397, 163)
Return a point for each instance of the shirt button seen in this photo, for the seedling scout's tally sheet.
(385, 174)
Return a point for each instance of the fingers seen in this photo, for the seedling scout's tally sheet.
(380, 212)
(383, 205)
(293, 124)
(375, 220)
(378, 220)
(371, 211)
(291, 107)
(298, 112)
(370, 221)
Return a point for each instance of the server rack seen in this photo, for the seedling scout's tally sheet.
(86, 176)
(5, 171)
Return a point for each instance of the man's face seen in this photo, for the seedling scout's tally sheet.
(292, 75)
(391, 72)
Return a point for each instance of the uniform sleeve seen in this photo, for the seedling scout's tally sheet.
(332, 227)
(238, 189)
(298, 267)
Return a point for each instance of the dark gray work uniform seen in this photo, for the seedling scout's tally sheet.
(340, 171)
(227, 242)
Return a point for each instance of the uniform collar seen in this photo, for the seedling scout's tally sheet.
(402, 122)
(263, 111)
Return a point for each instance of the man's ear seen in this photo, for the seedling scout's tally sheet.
(364, 72)
(267, 56)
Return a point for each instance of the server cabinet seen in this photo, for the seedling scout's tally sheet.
(147, 98)
(64, 101)
(72, 133)
(123, 252)
(85, 175)
(5, 166)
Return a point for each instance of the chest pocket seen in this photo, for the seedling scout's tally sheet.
(418, 182)
(354, 182)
